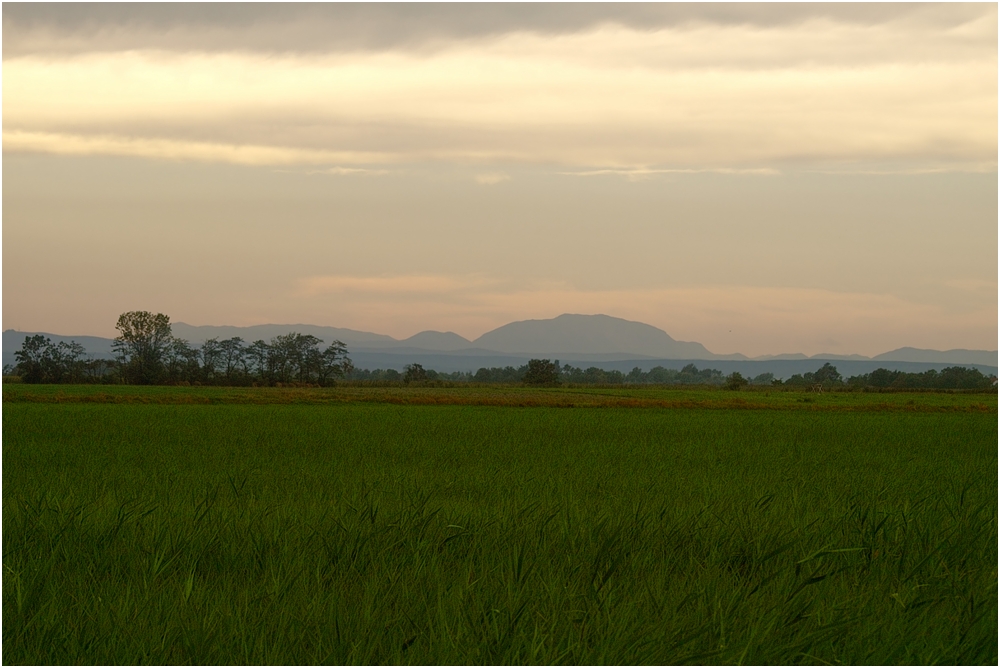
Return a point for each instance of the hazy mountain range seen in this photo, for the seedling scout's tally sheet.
(592, 339)
(566, 335)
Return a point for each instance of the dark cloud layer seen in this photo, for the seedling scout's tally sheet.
(83, 27)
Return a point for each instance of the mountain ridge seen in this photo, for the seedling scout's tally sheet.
(572, 333)
(568, 336)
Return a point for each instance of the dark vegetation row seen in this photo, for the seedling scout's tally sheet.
(146, 353)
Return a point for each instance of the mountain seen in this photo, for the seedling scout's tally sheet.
(582, 340)
(430, 340)
(567, 334)
(427, 340)
(201, 333)
(94, 345)
(571, 334)
(955, 356)
(784, 356)
(835, 356)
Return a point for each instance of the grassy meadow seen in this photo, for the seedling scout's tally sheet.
(497, 526)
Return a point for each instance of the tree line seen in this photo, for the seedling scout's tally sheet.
(547, 372)
(147, 353)
(950, 378)
(827, 377)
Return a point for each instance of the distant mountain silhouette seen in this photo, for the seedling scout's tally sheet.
(201, 333)
(94, 345)
(431, 340)
(564, 335)
(835, 356)
(783, 356)
(955, 356)
(587, 339)
(581, 334)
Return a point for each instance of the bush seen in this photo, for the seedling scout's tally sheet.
(736, 381)
(414, 373)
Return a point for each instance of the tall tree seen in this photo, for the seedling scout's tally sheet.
(211, 359)
(141, 344)
(41, 361)
(258, 358)
(541, 372)
(827, 374)
(69, 360)
(295, 357)
(334, 363)
(181, 361)
(33, 358)
(233, 356)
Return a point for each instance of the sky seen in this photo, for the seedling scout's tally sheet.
(761, 179)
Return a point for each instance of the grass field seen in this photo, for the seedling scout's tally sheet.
(360, 525)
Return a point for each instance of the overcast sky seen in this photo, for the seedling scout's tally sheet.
(761, 179)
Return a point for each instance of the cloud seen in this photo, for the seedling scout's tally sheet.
(491, 178)
(174, 149)
(350, 171)
(723, 96)
(640, 173)
(322, 28)
(970, 167)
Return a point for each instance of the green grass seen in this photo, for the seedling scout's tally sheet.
(360, 532)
